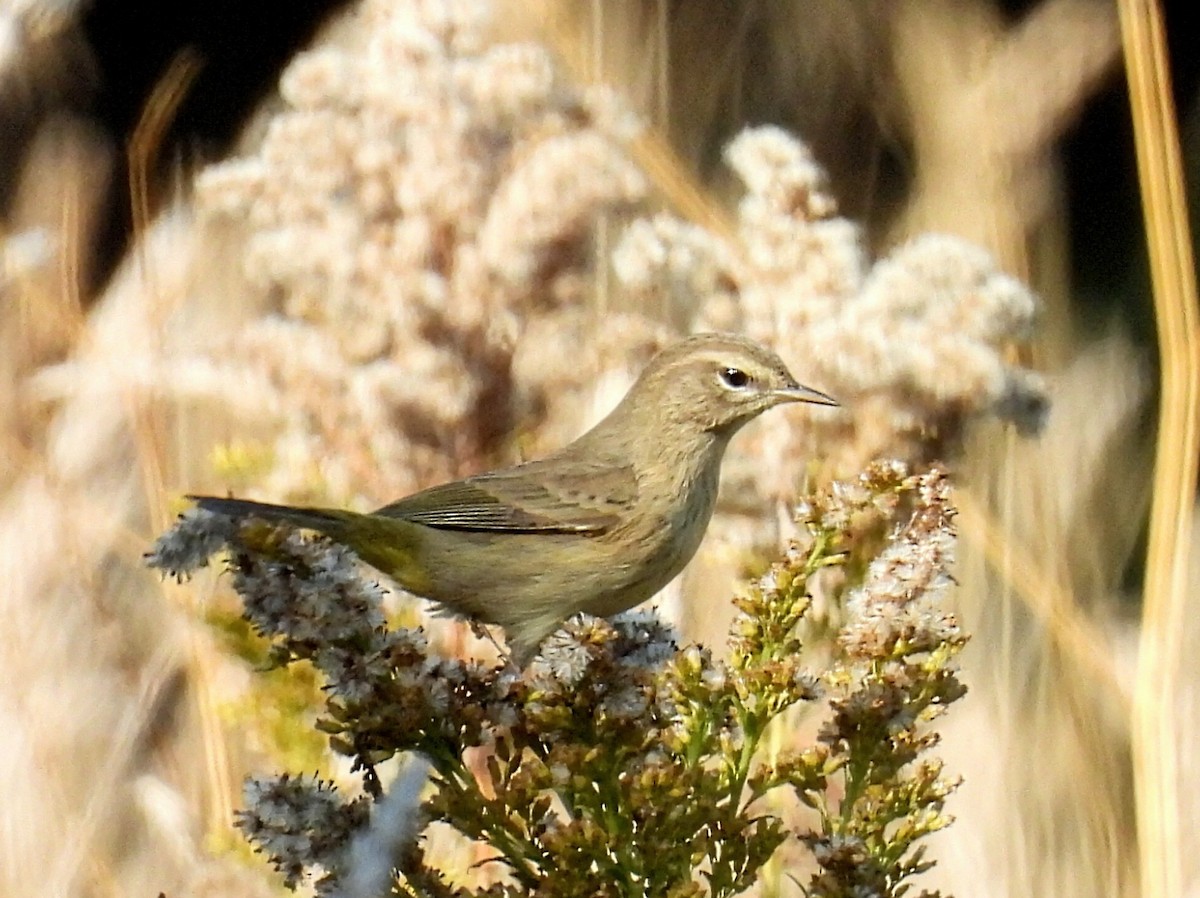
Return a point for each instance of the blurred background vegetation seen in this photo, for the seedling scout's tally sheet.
(124, 717)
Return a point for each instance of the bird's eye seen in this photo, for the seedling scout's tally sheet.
(734, 377)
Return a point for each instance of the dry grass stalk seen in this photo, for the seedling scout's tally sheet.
(146, 142)
(1044, 594)
(1156, 738)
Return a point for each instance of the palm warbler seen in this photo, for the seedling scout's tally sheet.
(598, 527)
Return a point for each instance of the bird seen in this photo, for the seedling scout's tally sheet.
(597, 527)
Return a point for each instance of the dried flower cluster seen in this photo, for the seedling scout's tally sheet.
(892, 680)
(301, 819)
(619, 763)
(418, 214)
(912, 345)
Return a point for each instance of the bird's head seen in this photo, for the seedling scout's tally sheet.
(715, 383)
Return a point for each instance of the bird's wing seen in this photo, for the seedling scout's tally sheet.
(554, 496)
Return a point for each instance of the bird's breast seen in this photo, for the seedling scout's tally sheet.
(663, 533)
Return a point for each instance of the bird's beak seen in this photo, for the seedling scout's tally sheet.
(801, 393)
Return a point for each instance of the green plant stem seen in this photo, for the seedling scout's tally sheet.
(698, 741)
(510, 844)
(751, 732)
(856, 778)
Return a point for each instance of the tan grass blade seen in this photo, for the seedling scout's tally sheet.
(146, 141)
(1172, 271)
(144, 147)
(1046, 596)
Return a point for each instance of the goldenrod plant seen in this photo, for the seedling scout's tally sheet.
(621, 762)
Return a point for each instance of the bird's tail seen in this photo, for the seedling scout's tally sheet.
(388, 544)
(326, 520)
